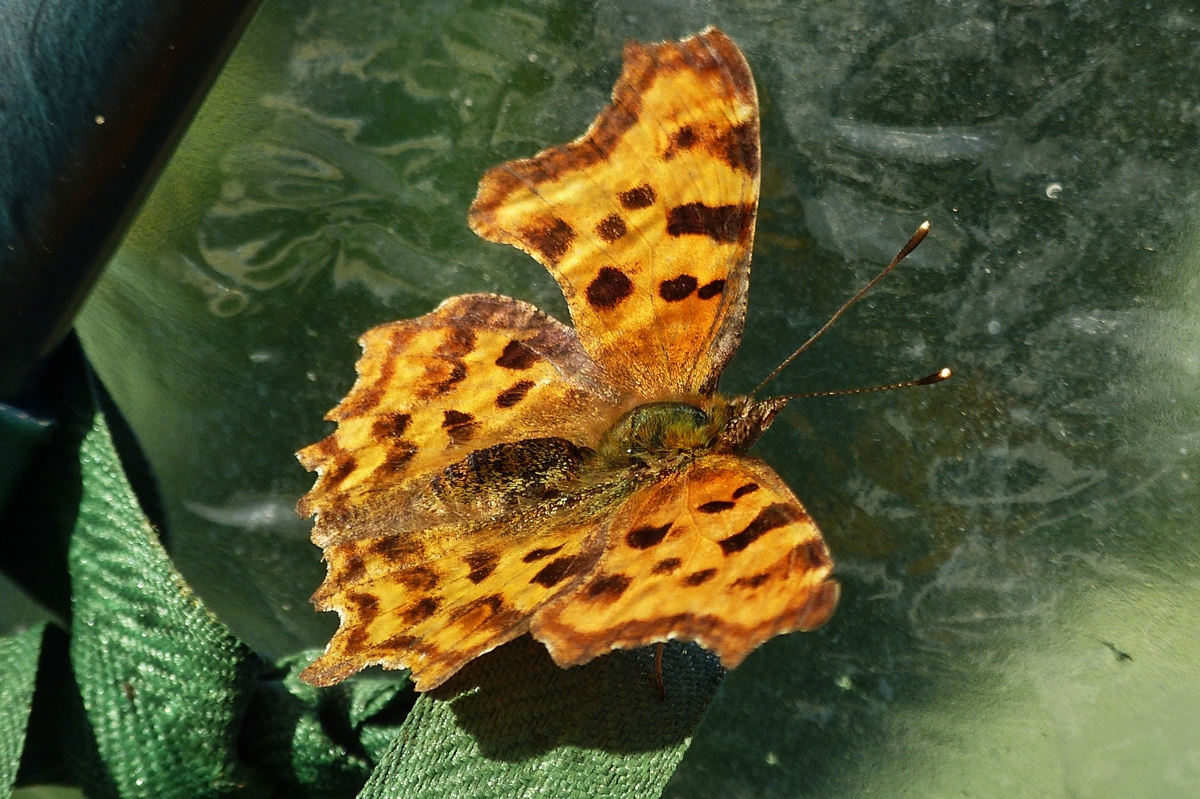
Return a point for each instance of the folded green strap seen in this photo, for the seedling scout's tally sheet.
(18, 668)
(322, 742)
(164, 683)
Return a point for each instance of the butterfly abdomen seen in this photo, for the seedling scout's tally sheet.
(510, 474)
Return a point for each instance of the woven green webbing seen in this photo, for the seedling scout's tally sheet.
(18, 668)
(163, 682)
(322, 742)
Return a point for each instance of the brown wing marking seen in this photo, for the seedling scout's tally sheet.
(722, 554)
(647, 221)
(479, 370)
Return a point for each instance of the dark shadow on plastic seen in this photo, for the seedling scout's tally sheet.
(133, 460)
(40, 515)
(517, 703)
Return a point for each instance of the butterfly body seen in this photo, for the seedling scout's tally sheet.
(495, 472)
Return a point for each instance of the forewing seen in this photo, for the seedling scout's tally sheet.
(647, 221)
(722, 554)
(479, 370)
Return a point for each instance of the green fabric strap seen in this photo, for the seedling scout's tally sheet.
(18, 668)
(164, 684)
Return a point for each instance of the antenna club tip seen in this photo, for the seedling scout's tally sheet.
(942, 374)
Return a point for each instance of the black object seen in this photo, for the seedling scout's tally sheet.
(94, 95)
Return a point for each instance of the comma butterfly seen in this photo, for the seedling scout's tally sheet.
(495, 472)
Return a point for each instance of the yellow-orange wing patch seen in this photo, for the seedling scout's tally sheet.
(479, 370)
(722, 554)
(435, 604)
(647, 221)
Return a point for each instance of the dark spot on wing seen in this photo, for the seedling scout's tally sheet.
(418, 578)
(461, 427)
(394, 548)
(711, 289)
(666, 566)
(353, 569)
(609, 288)
(748, 488)
(534, 555)
(459, 341)
(646, 537)
(513, 394)
(453, 418)
(677, 288)
(489, 611)
(359, 402)
(642, 196)
(325, 448)
(753, 581)
(722, 223)
(400, 452)
(683, 139)
(390, 425)
(738, 147)
(356, 640)
(555, 572)
(517, 356)
(397, 641)
(367, 606)
(608, 586)
(552, 238)
(611, 228)
(768, 519)
(813, 554)
(482, 564)
(458, 373)
(700, 577)
(421, 610)
(715, 506)
(340, 470)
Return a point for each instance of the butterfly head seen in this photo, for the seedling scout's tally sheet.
(746, 419)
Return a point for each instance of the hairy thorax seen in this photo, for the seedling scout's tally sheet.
(663, 436)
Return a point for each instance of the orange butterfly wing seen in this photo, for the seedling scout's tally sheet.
(721, 553)
(647, 221)
(432, 604)
(478, 370)
(418, 536)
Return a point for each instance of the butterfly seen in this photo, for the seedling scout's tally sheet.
(495, 472)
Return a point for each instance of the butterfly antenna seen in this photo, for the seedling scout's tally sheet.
(941, 374)
(911, 245)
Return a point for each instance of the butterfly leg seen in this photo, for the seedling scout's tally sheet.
(658, 675)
